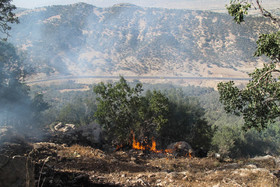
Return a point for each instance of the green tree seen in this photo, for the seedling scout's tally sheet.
(259, 101)
(186, 122)
(117, 108)
(78, 112)
(17, 107)
(153, 114)
(12, 91)
(7, 16)
(38, 105)
(122, 109)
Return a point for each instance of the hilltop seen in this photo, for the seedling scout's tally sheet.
(82, 39)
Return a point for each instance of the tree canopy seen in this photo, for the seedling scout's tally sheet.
(7, 16)
(259, 101)
(17, 107)
(169, 117)
(121, 109)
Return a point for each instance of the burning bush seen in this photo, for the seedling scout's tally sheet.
(177, 117)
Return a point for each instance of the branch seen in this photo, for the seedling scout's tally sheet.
(267, 14)
(270, 71)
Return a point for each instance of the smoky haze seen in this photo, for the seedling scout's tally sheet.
(83, 39)
(179, 4)
(217, 5)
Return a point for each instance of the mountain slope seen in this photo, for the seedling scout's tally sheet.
(82, 39)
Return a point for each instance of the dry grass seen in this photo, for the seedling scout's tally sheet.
(77, 151)
(135, 168)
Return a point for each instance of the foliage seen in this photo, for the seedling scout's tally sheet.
(17, 107)
(168, 117)
(78, 112)
(117, 108)
(238, 9)
(38, 105)
(222, 133)
(7, 16)
(186, 122)
(258, 103)
(269, 45)
(229, 139)
(153, 114)
(122, 109)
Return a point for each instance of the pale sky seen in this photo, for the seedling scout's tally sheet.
(181, 4)
(184, 4)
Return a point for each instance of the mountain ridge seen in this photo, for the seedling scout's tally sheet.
(81, 39)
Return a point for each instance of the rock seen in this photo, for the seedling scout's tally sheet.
(251, 166)
(181, 148)
(265, 161)
(151, 175)
(217, 156)
(173, 175)
(159, 183)
(87, 135)
(123, 175)
(64, 127)
(140, 182)
(16, 171)
(262, 158)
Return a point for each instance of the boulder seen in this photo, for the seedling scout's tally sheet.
(88, 135)
(181, 148)
(60, 127)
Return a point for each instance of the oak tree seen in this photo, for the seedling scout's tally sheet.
(259, 101)
(7, 16)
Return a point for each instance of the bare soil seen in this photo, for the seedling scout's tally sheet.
(60, 165)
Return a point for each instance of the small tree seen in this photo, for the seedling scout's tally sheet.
(122, 108)
(259, 101)
(17, 107)
(117, 109)
(153, 114)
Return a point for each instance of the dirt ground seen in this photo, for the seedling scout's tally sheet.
(60, 165)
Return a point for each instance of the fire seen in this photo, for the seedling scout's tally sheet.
(153, 148)
(137, 145)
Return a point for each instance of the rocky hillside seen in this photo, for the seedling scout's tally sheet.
(26, 162)
(82, 39)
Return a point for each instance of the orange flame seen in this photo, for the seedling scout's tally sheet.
(138, 146)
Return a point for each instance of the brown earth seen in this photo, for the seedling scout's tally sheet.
(59, 165)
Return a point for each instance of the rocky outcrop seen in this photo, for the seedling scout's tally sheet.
(88, 135)
(60, 127)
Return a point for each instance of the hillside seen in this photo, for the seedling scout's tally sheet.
(82, 39)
